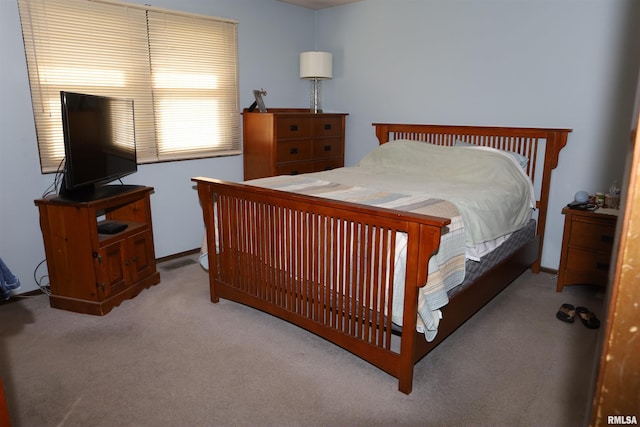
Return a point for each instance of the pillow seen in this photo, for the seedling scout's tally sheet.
(403, 154)
(522, 160)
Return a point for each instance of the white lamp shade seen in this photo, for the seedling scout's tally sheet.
(316, 65)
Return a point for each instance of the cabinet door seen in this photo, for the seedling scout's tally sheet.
(139, 260)
(123, 263)
(110, 270)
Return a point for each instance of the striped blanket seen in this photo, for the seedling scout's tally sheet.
(446, 267)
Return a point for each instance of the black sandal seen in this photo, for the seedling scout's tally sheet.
(566, 313)
(588, 318)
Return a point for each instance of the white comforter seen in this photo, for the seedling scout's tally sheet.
(494, 195)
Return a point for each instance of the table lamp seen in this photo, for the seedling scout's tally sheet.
(316, 66)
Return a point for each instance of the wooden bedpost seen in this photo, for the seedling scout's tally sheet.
(205, 194)
(382, 132)
(556, 140)
(427, 239)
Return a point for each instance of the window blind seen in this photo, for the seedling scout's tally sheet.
(180, 69)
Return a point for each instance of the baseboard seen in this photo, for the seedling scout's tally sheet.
(15, 298)
(178, 255)
(548, 270)
(36, 292)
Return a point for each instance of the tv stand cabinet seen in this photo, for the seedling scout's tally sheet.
(91, 272)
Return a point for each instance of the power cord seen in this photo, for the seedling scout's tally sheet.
(53, 188)
(46, 289)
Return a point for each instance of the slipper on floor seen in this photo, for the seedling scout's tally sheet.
(566, 313)
(588, 318)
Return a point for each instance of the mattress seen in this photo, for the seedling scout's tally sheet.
(475, 269)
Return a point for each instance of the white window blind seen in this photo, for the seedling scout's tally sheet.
(180, 69)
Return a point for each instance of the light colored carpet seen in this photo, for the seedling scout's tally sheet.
(170, 357)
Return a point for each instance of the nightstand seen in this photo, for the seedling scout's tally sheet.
(587, 244)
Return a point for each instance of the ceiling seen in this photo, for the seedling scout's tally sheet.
(318, 4)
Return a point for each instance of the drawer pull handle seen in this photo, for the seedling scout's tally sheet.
(293, 151)
(327, 148)
(327, 126)
(293, 128)
(606, 238)
(602, 266)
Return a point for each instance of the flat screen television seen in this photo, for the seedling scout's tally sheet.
(99, 144)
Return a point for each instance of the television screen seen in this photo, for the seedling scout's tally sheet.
(99, 141)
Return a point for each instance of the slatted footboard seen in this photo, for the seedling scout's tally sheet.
(327, 266)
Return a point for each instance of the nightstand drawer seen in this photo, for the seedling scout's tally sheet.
(327, 148)
(592, 235)
(587, 267)
(327, 126)
(293, 151)
(293, 127)
(591, 262)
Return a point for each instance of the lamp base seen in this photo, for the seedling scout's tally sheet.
(316, 89)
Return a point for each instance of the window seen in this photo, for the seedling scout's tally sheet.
(180, 69)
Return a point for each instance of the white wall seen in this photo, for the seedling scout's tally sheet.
(271, 34)
(547, 63)
(562, 63)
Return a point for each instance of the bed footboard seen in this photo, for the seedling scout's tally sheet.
(324, 265)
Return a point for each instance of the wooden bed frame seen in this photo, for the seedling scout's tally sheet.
(291, 255)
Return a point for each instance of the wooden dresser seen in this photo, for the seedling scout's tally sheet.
(587, 244)
(289, 141)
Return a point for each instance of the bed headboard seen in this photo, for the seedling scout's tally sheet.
(536, 144)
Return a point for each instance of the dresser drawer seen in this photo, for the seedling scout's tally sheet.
(293, 151)
(327, 126)
(295, 168)
(325, 165)
(293, 127)
(592, 235)
(327, 148)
